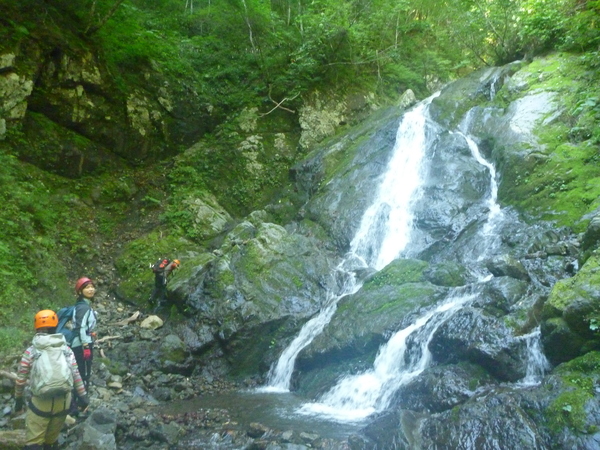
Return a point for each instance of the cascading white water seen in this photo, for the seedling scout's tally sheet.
(358, 396)
(494, 208)
(385, 226)
(537, 363)
(382, 235)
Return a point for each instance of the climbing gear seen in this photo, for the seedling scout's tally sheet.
(45, 318)
(81, 283)
(50, 374)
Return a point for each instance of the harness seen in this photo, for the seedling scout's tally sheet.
(49, 414)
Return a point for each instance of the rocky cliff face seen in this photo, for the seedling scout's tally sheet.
(71, 113)
(481, 346)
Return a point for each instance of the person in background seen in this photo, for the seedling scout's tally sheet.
(162, 270)
(84, 322)
(51, 394)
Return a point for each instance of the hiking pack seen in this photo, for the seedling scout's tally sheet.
(66, 315)
(160, 265)
(50, 374)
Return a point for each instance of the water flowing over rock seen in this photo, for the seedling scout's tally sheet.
(466, 331)
(461, 241)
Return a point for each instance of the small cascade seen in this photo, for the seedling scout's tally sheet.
(281, 373)
(537, 363)
(495, 213)
(385, 226)
(382, 235)
(397, 363)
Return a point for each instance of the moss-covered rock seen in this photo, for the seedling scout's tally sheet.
(573, 414)
(570, 314)
(385, 303)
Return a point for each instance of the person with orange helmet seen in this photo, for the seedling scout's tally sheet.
(51, 394)
(162, 270)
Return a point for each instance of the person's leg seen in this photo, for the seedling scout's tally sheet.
(82, 365)
(35, 429)
(56, 422)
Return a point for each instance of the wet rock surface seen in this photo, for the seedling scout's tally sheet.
(135, 377)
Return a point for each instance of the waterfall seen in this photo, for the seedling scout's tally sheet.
(383, 233)
(492, 202)
(358, 396)
(537, 364)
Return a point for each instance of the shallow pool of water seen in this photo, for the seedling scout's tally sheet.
(275, 410)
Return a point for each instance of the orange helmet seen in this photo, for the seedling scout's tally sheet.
(45, 318)
(176, 263)
(80, 284)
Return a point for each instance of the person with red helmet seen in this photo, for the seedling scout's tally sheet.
(84, 322)
(162, 270)
(51, 394)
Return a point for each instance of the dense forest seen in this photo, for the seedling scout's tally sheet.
(218, 61)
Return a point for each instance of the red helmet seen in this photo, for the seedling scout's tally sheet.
(81, 283)
(45, 318)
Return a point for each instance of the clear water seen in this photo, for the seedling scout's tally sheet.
(274, 411)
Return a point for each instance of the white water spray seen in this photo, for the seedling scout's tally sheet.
(537, 363)
(356, 397)
(383, 233)
(495, 212)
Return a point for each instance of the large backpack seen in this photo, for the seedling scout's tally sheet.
(160, 265)
(70, 314)
(65, 315)
(50, 374)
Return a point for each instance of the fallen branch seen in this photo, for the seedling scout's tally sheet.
(278, 104)
(106, 338)
(127, 321)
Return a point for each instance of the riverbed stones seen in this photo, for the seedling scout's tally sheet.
(152, 322)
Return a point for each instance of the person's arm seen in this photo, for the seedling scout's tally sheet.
(23, 372)
(21, 381)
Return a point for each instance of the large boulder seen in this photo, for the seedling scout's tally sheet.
(387, 302)
(472, 335)
(571, 313)
(257, 290)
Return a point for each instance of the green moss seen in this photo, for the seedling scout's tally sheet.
(397, 273)
(406, 293)
(566, 291)
(135, 260)
(569, 410)
(580, 376)
(562, 181)
(114, 367)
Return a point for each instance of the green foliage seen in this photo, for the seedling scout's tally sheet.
(13, 339)
(569, 408)
(137, 280)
